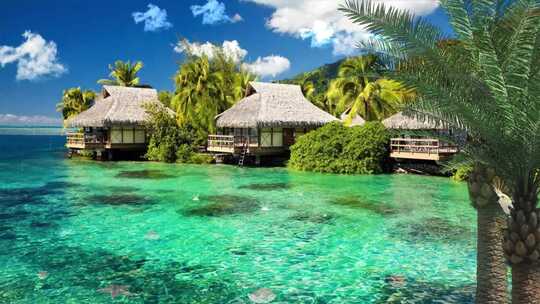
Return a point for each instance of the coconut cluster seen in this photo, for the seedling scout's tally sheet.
(522, 238)
(481, 186)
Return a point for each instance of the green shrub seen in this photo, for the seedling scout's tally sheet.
(201, 159)
(462, 173)
(335, 148)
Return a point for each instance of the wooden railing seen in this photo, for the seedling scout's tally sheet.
(421, 146)
(228, 143)
(81, 140)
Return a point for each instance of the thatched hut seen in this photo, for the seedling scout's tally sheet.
(356, 120)
(114, 122)
(418, 139)
(267, 121)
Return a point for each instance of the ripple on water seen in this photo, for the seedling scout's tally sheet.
(222, 205)
(317, 218)
(144, 174)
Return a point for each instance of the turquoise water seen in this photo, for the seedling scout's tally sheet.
(73, 231)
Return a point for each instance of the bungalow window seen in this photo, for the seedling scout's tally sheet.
(128, 137)
(116, 136)
(277, 137)
(140, 136)
(266, 137)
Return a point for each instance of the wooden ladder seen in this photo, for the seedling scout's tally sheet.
(243, 154)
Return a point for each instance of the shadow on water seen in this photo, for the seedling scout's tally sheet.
(434, 228)
(266, 187)
(222, 205)
(144, 174)
(377, 207)
(149, 281)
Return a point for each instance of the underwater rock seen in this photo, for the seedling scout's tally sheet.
(221, 205)
(40, 224)
(144, 174)
(118, 199)
(372, 206)
(42, 275)
(399, 289)
(261, 296)
(152, 236)
(316, 218)
(116, 290)
(266, 187)
(435, 228)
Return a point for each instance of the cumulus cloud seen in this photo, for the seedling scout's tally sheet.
(214, 12)
(154, 19)
(11, 119)
(231, 49)
(320, 21)
(269, 66)
(35, 57)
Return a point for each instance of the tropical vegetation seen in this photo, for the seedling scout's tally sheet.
(336, 148)
(123, 74)
(206, 87)
(75, 101)
(489, 85)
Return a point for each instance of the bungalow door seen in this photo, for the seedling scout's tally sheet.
(288, 137)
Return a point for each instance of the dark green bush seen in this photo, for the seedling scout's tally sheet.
(335, 148)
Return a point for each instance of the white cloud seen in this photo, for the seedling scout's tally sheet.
(11, 119)
(322, 23)
(154, 19)
(213, 12)
(269, 66)
(231, 49)
(35, 57)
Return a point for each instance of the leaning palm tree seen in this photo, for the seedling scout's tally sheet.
(491, 89)
(361, 88)
(75, 101)
(123, 74)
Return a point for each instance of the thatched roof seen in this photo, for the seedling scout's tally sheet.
(269, 105)
(408, 121)
(116, 106)
(356, 120)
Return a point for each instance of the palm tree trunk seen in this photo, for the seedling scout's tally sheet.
(526, 283)
(491, 269)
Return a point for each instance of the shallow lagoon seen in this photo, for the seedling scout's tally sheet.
(71, 231)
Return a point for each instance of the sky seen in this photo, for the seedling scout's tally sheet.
(49, 46)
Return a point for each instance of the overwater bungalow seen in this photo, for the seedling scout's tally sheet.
(114, 124)
(416, 139)
(266, 122)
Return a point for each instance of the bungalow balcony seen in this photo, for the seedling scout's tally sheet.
(421, 149)
(82, 141)
(232, 144)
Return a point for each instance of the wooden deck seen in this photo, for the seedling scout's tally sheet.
(421, 149)
(81, 141)
(235, 144)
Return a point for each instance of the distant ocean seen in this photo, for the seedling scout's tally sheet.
(32, 130)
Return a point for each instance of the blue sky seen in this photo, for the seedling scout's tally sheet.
(48, 46)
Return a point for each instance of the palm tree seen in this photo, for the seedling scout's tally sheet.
(123, 74)
(75, 101)
(492, 92)
(361, 87)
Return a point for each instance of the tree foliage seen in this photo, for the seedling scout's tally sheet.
(335, 148)
(206, 87)
(487, 84)
(75, 101)
(123, 74)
